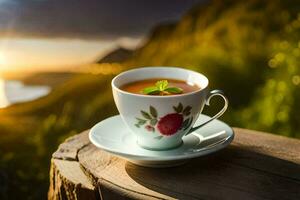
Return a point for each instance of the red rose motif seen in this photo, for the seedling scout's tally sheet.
(167, 125)
(170, 123)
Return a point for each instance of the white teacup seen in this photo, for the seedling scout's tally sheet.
(160, 122)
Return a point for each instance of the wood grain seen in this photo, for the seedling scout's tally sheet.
(69, 182)
(255, 166)
(69, 149)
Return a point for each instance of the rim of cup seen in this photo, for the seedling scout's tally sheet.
(201, 88)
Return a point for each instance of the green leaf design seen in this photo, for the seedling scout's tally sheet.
(191, 121)
(142, 122)
(153, 122)
(189, 124)
(138, 126)
(187, 110)
(150, 90)
(159, 137)
(161, 85)
(185, 123)
(180, 107)
(174, 90)
(175, 108)
(139, 119)
(145, 115)
(153, 112)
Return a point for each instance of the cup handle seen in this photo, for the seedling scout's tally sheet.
(212, 94)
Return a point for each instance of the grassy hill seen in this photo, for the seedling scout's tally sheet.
(118, 55)
(52, 79)
(30, 132)
(250, 49)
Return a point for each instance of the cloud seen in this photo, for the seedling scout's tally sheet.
(86, 18)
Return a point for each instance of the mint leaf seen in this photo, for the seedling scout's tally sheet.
(161, 88)
(151, 90)
(174, 90)
(161, 85)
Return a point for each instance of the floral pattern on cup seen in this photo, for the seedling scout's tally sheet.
(168, 124)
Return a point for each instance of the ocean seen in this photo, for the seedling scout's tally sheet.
(13, 91)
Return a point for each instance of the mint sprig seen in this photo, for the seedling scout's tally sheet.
(161, 88)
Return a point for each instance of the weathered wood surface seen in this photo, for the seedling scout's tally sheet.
(255, 166)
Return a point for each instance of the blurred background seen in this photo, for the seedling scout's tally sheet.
(57, 58)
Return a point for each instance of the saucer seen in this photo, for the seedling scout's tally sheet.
(113, 136)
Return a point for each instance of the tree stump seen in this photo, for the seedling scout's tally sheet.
(255, 166)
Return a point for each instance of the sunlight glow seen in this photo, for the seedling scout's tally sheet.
(55, 54)
(2, 59)
(3, 99)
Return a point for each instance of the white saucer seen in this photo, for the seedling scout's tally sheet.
(113, 136)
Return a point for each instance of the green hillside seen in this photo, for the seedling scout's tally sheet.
(30, 132)
(250, 49)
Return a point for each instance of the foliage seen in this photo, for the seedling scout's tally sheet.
(249, 49)
(32, 131)
(161, 88)
(276, 104)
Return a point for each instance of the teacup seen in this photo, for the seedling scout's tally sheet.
(154, 111)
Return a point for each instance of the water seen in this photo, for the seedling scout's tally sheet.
(12, 92)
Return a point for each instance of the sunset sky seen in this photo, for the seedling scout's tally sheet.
(38, 34)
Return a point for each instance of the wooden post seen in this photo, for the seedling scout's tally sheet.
(255, 166)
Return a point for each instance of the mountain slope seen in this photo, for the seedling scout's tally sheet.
(233, 43)
(118, 55)
(30, 132)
